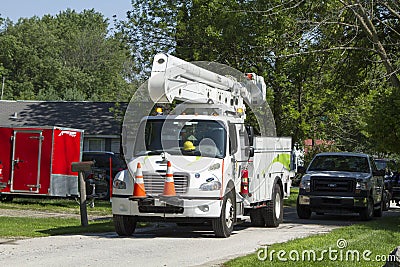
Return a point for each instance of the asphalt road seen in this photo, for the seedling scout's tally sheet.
(163, 244)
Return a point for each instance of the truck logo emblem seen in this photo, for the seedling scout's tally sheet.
(70, 133)
(332, 185)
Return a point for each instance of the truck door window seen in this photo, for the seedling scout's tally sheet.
(233, 144)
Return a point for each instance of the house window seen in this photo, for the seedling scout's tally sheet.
(115, 146)
(95, 144)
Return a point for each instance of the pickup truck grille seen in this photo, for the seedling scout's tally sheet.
(323, 184)
(154, 183)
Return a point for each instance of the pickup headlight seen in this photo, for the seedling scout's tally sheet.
(305, 183)
(362, 186)
(210, 186)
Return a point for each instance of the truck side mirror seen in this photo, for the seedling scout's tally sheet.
(249, 151)
(250, 134)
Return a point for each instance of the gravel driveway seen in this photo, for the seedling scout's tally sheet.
(162, 244)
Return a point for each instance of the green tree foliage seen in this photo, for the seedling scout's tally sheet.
(331, 67)
(70, 56)
(266, 37)
(150, 28)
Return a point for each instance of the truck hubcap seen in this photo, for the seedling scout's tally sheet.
(229, 213)
(277, 206)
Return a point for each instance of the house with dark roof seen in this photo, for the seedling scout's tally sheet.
(101, 121)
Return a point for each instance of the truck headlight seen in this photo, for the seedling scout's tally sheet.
(362, 186)
(118, 184)
(305, 183)
(210, 186)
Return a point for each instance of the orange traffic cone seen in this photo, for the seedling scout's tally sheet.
(138, 188)
(169, 185)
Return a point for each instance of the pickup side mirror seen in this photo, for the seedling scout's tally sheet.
(249, 151)
(379, 173)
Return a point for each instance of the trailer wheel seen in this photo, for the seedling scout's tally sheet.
(124, 225)
(6, 198)
(257, 218)
(273, 213)
(303, 212)
(223, 226)
(367, 212)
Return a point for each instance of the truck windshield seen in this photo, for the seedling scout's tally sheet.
(181, 137)
(339, 163)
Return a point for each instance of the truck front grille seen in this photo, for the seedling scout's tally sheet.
(323, 184)
(154, 182)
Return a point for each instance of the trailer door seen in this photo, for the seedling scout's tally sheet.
(27, 149)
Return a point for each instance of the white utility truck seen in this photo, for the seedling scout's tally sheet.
(200, 163)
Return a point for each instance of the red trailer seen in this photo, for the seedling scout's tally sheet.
(36, 161)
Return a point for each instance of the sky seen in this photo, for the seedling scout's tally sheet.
(15, 9)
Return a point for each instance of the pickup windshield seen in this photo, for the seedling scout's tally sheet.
(181, 137)
(339, 163)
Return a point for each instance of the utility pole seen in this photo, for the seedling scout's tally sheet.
(2, 88)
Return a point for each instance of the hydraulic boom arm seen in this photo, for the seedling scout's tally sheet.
(173, 78)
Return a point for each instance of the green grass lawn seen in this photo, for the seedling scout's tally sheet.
(101, 207)
(370, 240)
(292, 199)
(17, 227)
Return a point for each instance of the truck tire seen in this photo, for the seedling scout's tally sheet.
(367, 212)
(257, 218)
(223, 225)
(303, 212)
(273, 213)
(124, 225)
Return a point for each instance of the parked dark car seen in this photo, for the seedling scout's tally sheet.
(98, 180)
(341, 182)
(392, 188)
(392, 178)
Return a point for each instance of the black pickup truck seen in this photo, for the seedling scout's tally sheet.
(337, 182)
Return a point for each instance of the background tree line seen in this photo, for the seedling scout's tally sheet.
(331, 67)
(70, 56)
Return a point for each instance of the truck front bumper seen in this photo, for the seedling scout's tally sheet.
(333, 203)
(167, 207)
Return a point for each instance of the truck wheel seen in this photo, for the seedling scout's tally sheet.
(367, 212)
(303, 212)
(124, 225)
(223, 226)
(273, 213)
(257, 218)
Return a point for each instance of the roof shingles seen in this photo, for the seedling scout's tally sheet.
(96, 118)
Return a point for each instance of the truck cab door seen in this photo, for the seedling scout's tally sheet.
(234, 150)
